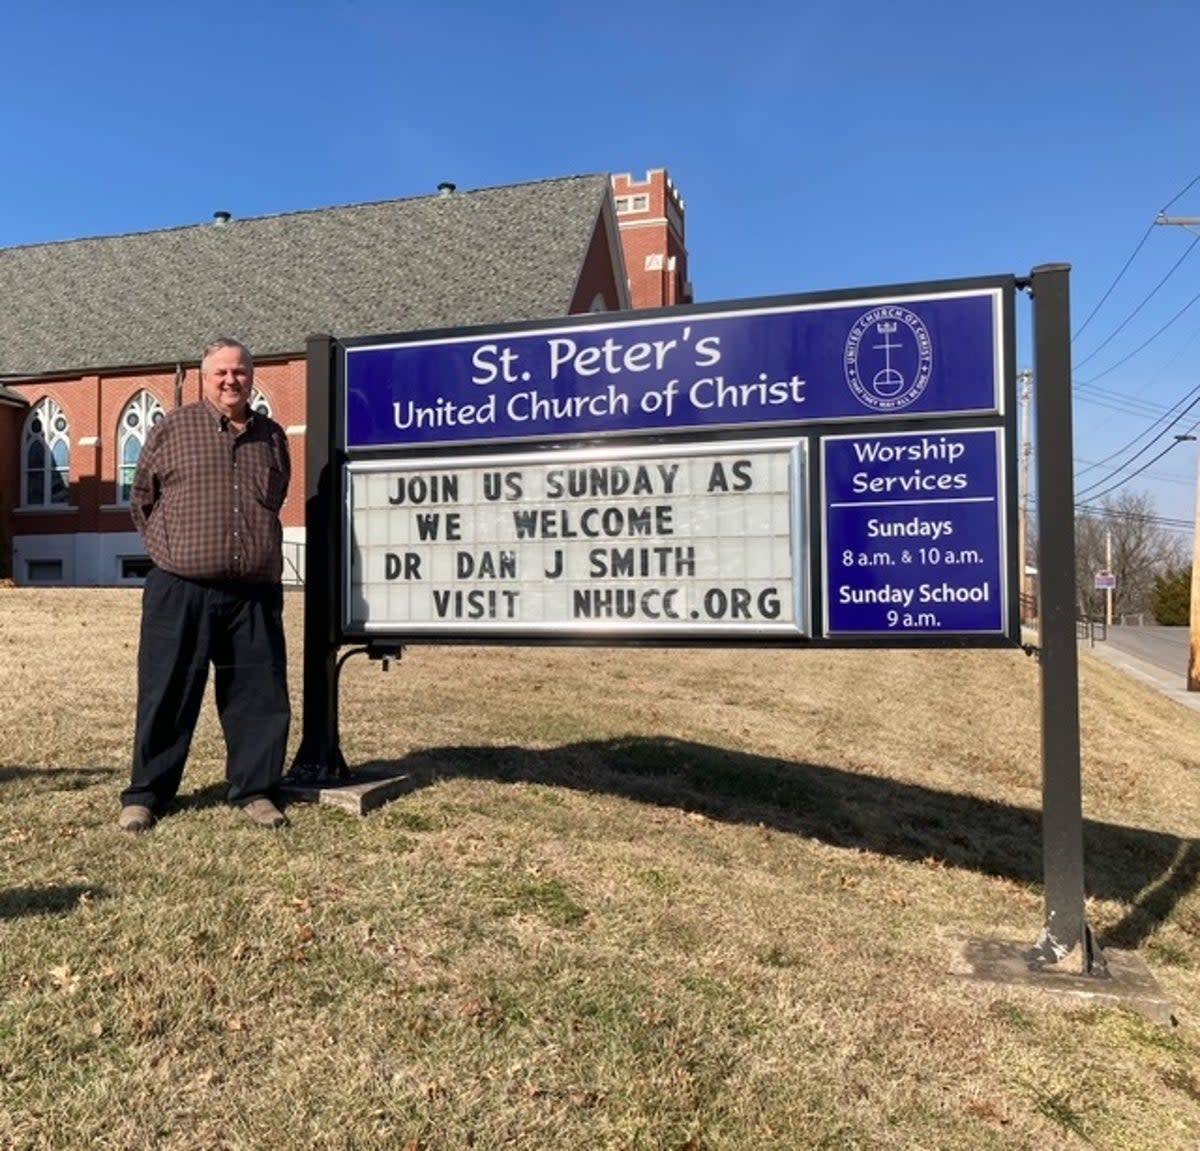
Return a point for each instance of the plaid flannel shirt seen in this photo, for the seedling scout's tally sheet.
(206, 498)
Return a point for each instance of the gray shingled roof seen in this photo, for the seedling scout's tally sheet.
(476, 257)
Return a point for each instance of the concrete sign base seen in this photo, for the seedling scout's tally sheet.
(1127, 984)
(363, 792)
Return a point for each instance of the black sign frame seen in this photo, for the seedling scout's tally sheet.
(319, 760)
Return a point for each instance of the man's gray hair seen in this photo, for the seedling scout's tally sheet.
(225, 342)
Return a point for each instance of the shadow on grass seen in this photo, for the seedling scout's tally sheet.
(211, 795)
(57, 778)
(21, 901)
(1149, 871)
(202, 799)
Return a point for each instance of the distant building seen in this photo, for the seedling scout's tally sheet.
(100, 337)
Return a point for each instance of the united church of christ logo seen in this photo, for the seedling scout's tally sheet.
(889, 358)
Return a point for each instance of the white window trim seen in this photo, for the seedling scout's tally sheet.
(633, 203)
(147, 406)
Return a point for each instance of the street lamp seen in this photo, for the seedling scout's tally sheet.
(1193, 672)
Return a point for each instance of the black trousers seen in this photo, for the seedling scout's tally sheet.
(238, 628)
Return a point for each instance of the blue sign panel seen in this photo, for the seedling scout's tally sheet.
(906, 356)
(914, 534)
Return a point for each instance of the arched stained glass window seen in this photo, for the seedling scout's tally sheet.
(46, 457)
(138, 417)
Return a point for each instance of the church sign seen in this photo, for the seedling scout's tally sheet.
(824, 469)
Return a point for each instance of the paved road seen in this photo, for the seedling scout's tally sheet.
(1161, 647)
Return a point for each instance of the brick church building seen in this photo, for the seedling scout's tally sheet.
(100, 337)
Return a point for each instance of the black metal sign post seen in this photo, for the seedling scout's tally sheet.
(1062, 794)
(319, 759)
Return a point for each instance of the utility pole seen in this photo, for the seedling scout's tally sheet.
(1108, 569)
(1025, 380)
(1193, 677)
(1193, 672)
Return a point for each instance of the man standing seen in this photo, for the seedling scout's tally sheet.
(206, 497)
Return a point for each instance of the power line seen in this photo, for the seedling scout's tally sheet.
(1179, 478)
(1141, 243)
(1146, 343)
(1120, 274)
(1164, 413)
(1132, 406)
(1145, 300)
(1122, 403)
(1167, 523)
(1103, 398)
(1133, 475)
(1193, 396)
(1179, 195)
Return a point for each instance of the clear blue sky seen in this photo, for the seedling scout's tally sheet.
(818, 144)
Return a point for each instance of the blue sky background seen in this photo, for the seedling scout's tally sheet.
(817, 146)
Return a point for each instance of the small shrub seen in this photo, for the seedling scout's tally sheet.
(1170, 598)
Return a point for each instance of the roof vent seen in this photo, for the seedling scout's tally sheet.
(222, 217)
(445, 188)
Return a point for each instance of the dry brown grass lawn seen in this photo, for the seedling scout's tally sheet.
(635, 899)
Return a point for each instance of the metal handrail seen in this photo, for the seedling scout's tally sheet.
(1091, 630)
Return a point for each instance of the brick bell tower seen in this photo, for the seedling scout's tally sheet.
(650, 215)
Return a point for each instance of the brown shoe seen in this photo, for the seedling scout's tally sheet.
(135, 818)
(265, 814)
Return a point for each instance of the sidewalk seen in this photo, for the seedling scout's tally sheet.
(1174, 686)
